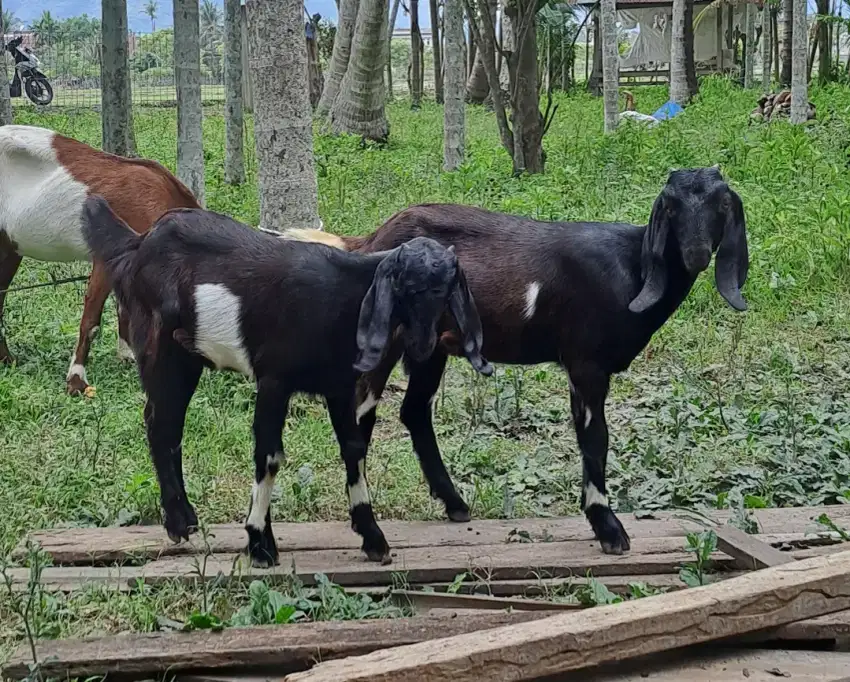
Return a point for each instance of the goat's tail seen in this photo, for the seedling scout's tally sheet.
(109, 238)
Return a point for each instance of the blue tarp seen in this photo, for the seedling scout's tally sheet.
(668, 110)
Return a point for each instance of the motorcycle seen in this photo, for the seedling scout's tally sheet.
(36, 85)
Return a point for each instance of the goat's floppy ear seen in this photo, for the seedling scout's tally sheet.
(653, 267)
(733, 257)
(373, 327)
(463, 309)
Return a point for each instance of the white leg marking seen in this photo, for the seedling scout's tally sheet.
(370, 402)
(125, 353)
(76, 370)
(261, 495)
(588, 417)
(531, 299)
(593, 496)
(359, 492)
(218, 333)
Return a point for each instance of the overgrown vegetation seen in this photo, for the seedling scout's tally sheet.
(722, 410)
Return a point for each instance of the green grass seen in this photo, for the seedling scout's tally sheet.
(722, 409)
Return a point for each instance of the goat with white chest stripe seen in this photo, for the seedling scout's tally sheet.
(204, 290)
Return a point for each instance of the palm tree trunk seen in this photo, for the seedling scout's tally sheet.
(454, 122)
(799, 85)
(115, 79)
(824, 45)
(187, 74)
(5, 99)
(341, 56)
(525, 97)
(766, 48)
(234, 156)
(391, 28)
(435, 41)
(749, 45)
(774, 32)
(690, 63)
(415, 56)
(359, 108)
(787, 40)
(283, 127)
(678, 74)
(610, 64)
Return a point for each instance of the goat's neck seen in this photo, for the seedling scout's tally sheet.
(679, 284)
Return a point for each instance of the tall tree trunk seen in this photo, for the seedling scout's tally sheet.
(610, 63)
(749, 45)
(438, 62)
(282, 115)
(766, 48)
(115, 79)
(359, 108)
(525, 98)
(234, 153)
(187, 74)
(824, 45)
(478, 85)
(594, 81)
(506, 30)
(5, 98)
(678, 75)
(774, 31)
(787, 40)
(471, 53)
(454, 114)
(799, 84)
(690, 63)
(314, 67)
(415, 56)
(390, 29)
(341, 56)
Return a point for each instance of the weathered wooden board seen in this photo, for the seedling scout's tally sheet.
(572, 641)
(749, 552)
(135, 543)
(290, 647)
(425, 601)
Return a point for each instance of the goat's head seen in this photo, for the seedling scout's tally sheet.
(702, 214)
(412, 287)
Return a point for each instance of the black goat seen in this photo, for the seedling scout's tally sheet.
(201, 289)
(588, 296)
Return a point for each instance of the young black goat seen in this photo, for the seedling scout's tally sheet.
(588, 296)
(201, 289)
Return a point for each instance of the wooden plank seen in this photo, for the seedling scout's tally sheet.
(748, 551)
(86, 546)
(424, 601)
(572, 641)
(289, 647)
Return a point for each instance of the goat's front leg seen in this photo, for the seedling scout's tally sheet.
(125, 351)
(97, 292)
(269, 417)
(588, 391)
(353, 450)
(170, 380)
(9, 263)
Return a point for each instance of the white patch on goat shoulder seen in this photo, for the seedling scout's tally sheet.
(261, 496)
(593, 496)
(364, 407)
(588, 417)
(218, 328)
(359, 492)
(40, 202)
(531, 300)
(125, 353)
(76, 370)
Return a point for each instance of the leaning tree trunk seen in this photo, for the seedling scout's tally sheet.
(415, 56)
(610, 63)
(678, 75)
(115, 79)
(438, 62)
(766, 48)
(341, 55)
(5, 98)
(234, 153)
(787, 40)
(187, 74)
(359, 108)
(390, 29)
(690, 62)
(749, 46)
(282, 115)
(799, 85)
(454, 113)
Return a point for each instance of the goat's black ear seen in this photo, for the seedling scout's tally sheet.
(462, 306)
(373, 327)
(732, 262)
(653, 267)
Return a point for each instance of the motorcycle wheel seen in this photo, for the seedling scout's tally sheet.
(39, 91)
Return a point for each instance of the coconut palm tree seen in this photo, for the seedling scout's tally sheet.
(212, 27)
(610, 64)
(455, 61)
(678, 74)
(10, 21)
(150, 9)
(187, 76)
(46, 28)
(799, 64)
(348, 10)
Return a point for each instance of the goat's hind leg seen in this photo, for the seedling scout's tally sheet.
(588, 391)
(416, 415)
(269, 417)
(353, 450)
(97, 291)
(9, 263)
(170, 380)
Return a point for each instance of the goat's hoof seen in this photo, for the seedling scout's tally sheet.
(180, 523)
(611, 534)
(262, 547)
(459, 514)
(76, 385)
(379, 552)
